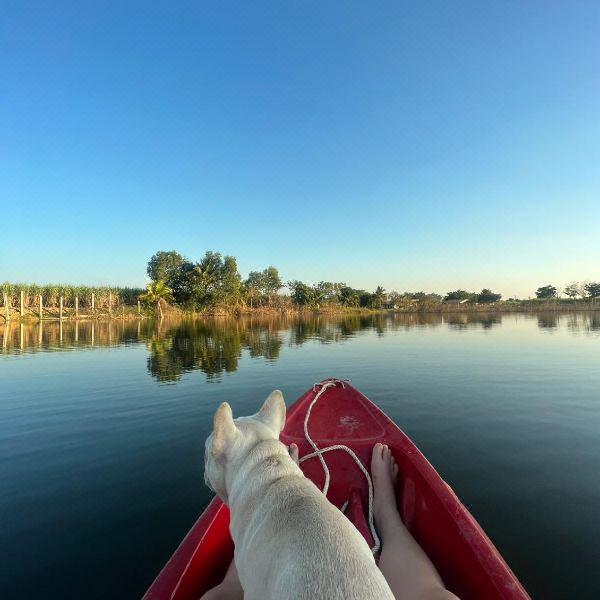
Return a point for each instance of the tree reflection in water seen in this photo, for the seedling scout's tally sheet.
(212, 347)
(215, 346)
(548, 321)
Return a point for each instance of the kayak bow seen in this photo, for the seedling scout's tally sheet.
(466, 559)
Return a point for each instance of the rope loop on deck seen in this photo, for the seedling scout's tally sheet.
(318, 452)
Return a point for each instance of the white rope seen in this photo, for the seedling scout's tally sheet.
(320, 451)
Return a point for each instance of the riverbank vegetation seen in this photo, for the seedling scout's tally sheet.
(213, 285)
(57, 301)
(104, 296)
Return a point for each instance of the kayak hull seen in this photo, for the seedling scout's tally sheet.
(464, 556)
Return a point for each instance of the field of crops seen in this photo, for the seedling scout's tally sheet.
(51, 294)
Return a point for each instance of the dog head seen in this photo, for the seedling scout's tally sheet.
(233, 438)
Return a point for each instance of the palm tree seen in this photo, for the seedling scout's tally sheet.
(379, 296)
(207, 273)
(156, 293)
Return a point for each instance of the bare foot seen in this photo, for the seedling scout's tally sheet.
(294, 453)
(407, 569)
(384, 471)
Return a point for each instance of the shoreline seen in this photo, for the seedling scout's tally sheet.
(129, 313)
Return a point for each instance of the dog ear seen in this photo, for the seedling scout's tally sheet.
(272, 412)
(224, 429)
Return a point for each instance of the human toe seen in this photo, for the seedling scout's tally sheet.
(294, 452)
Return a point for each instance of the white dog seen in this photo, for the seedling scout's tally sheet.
(290, 542)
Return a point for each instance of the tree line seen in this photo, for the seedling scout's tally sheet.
(210, 282)
(215, 281)
(573, 290)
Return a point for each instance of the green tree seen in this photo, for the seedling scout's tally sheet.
(459, 295)
(262, 285)
(183, 283)
(366, 299)
(301, 293)
(325, 292)
(156, 293)
(348, 296)
(487, 295)
(546, 291)
(207, 273)
(592, 289)
(216, 281)
(572, 290)
(253, 287)
(379, 297)
(164, 266)
(230, 283)
(271, 282)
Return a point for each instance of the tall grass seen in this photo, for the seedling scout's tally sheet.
(52, 292)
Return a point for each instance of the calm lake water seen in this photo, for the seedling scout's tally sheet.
(102, 429)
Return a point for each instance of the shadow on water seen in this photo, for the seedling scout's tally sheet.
(215, 346)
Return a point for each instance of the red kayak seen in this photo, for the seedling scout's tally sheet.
(466, 559)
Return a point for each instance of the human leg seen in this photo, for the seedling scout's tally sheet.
(229, 589)
(405, 566)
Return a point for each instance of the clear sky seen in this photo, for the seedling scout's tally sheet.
(416, 145)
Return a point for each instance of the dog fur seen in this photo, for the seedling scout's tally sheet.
(290, 542)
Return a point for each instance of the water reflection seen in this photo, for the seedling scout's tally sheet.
(589, 325)
(216, 346)
(213, 347)
(468, 320)
(548, 321)
(65, 335)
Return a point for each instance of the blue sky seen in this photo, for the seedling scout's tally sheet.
(417, 145)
